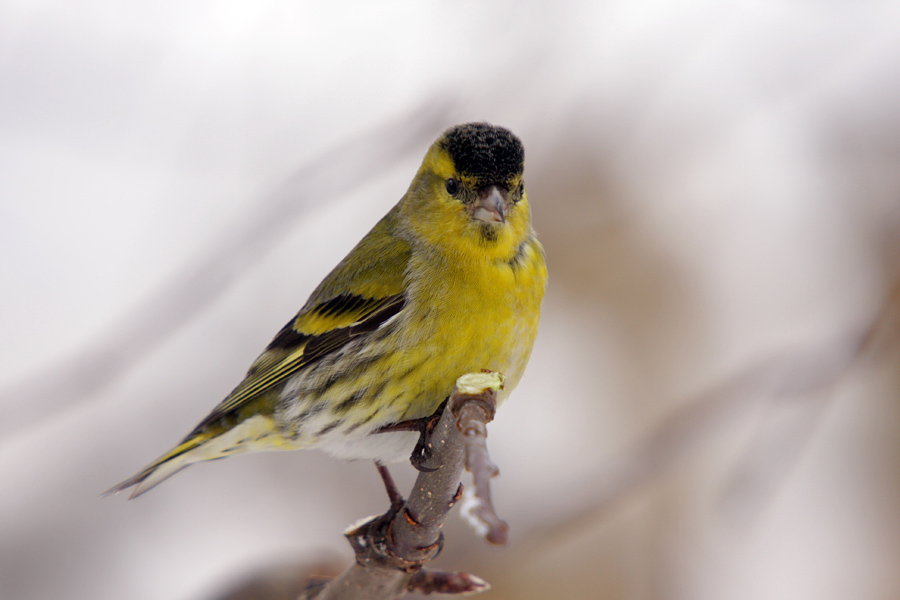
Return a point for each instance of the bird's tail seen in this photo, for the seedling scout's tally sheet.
(208, 443)
(180, 457)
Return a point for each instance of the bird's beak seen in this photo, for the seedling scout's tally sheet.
(490, 206)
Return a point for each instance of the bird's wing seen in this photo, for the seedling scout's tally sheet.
(362, 292)
(337, 321)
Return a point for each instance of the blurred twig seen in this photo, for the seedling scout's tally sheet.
(280, 582)
(790, 423)
(208, 275)
(681, 434)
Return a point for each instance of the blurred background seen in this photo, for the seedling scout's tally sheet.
(711, 410)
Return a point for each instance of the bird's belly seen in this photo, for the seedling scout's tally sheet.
(395, 446)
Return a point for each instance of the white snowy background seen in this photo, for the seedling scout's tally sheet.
(717, 185)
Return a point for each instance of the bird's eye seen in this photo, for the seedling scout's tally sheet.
(452, 186)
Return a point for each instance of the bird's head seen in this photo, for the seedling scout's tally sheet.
(469, 194)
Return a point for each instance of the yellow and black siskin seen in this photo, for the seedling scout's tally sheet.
(449, 282)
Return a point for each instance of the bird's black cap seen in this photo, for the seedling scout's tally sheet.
(491, 154)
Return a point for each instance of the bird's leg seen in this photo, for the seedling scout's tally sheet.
(421, 457)
(390, 487)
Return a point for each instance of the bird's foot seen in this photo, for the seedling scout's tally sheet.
(422, 457)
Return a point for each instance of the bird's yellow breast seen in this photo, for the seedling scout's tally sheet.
(482, 314)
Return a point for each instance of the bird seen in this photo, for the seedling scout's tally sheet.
(450, 281)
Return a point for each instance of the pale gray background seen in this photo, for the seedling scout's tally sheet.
(717, 187)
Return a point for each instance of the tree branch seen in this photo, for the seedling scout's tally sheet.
(391, 550)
